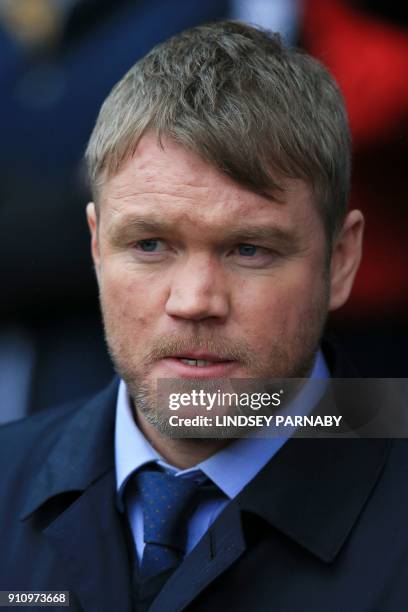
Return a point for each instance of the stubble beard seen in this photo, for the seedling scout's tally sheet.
(284, 360)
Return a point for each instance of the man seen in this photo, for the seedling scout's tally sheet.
(221, 240)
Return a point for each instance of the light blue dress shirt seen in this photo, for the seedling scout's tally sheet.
(230, 469)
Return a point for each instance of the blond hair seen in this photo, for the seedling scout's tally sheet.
(235, 95)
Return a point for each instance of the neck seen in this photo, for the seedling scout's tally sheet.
(183, 453)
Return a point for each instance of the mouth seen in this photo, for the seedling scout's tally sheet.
(199, 359)
(199, 365)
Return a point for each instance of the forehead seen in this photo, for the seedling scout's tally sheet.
(173, 183)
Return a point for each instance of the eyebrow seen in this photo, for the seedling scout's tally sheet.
(285, 237)
(127, 228)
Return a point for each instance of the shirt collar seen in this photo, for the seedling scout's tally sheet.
(231, 468)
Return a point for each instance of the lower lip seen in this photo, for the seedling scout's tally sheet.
(180, 369)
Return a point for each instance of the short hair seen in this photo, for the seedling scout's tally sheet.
(235, 95)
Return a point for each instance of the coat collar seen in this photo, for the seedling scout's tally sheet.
(314, 490)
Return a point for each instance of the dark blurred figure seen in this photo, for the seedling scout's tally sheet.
(58, 60)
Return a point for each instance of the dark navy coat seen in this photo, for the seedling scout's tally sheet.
(322, 527)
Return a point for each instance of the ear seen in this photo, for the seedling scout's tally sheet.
(345, 259)
(93, 228)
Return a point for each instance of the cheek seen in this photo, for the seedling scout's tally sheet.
(259, 314)
(277, 305)
(126, 300)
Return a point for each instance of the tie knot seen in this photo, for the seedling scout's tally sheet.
(166, 502)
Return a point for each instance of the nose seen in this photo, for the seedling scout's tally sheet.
(198, 290)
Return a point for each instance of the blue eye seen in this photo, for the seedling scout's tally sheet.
(149, 245)
(247, 250)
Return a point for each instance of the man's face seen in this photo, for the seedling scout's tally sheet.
(200, 278)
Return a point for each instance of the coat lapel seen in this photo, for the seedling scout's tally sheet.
(313, 491)
(73, 498)
(89, 539)
(220, 547)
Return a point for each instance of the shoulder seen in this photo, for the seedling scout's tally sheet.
(25, 445)
(29, 441)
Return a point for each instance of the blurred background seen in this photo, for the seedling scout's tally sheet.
(58, 61)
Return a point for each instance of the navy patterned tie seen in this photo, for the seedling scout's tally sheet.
(167, 502)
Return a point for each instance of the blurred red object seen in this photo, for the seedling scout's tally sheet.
(369, 59)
